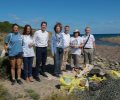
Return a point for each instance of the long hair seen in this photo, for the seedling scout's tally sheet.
(25, 30)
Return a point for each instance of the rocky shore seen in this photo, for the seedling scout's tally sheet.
(110, 53)
(106, 58)
(111, 39)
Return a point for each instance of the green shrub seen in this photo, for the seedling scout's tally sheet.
(32, 94)
(6, 26)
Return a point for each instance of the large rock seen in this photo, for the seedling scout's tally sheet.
(97, 71)
(100, 64)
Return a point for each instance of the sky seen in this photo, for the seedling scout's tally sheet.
(103, 16)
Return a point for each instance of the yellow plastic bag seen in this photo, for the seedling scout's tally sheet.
(97, 79)
(69, 83)
(66, 82)
(76, 87)
(115, 74)
(79, 84)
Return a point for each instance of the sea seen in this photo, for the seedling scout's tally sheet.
(99, 42)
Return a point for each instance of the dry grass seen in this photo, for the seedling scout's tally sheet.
(4, 95)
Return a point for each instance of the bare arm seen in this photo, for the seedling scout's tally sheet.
(5, 46)
(94, 45)
(81, 45)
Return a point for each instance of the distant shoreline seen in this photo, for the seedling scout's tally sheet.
(115, 40)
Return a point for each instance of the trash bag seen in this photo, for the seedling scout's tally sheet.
(114, 74)
(69, 83)
(94, 86)
(66, 82)
(85, 71)
(80, 84)
(96, 79)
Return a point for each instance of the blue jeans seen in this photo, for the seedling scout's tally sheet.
(41, 57)
(58, 56)
(27, 69)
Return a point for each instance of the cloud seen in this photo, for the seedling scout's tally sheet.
(15, 17)
(35, 22)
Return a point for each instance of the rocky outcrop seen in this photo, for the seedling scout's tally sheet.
(105, 63)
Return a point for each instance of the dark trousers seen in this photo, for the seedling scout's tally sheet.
(41, 56)
(27, 69)
(58, 57)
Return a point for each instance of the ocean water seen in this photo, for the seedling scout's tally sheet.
(99, 42)
(106, 35)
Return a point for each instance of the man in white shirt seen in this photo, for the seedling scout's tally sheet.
(89, 46)
(66, 37)
(41, 38)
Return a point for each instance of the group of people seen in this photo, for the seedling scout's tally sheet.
(20, 49)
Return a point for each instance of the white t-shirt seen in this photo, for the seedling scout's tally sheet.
(27, 51)
(76, 42)
(90, 41)
(66, 38)
(41, 38)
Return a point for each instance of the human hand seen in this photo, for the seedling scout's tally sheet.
(76, 46)
(30, 45)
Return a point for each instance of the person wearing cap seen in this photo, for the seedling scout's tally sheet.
(66, 37)
(89, 46)
(76, 43)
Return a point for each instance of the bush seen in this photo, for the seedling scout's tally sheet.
(4, 68)
(109, 90)
(6, 26)
(60, 96)
(4, 95)
(32, 94)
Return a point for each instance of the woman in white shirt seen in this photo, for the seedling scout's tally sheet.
(76, 44)
(28, 52)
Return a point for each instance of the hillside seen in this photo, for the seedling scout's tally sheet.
(5, 26)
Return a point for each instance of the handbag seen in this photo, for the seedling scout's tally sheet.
(4, 52)
(60, 50)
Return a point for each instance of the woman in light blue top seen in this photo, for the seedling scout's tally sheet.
(13, 44)
(57, 47)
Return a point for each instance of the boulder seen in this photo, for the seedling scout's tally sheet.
(97, 71)
(100, 64)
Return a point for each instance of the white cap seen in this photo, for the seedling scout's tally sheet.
(76, 30)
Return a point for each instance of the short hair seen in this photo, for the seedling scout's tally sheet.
(58, 25)
(75, 33)
(43, 22)
(13, 25)
(87, 27)
(66, 26)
